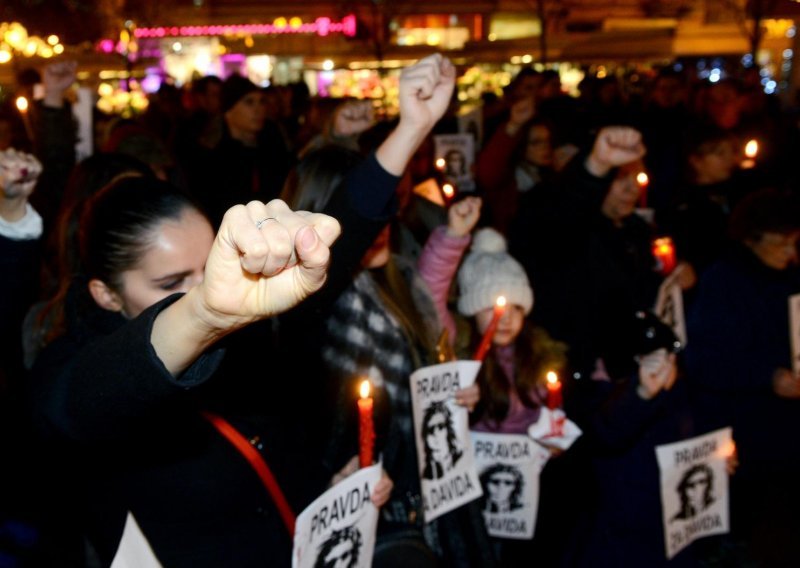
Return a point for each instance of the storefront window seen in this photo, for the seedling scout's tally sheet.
(445, 31)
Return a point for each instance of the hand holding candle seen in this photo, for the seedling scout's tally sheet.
(366, 432)
(486, 340)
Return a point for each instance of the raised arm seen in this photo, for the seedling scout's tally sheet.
(442, 254)
(369, 202)
(425, 91)
(265, 260)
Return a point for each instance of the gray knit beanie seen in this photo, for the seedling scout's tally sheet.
(489, 271)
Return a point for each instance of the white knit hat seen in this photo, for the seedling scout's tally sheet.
(489, 271)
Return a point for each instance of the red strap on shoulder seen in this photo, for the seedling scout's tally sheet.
(258, 464)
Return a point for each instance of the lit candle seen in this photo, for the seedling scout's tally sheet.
(449, 192)
(750, 153)
(554, 404)
(664, 251)
(751, 149)
(22, 107)
(554, 399)
(366, 432)
(486, 340)
(643, 180)
(440, 164)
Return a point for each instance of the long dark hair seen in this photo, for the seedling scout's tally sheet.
(116, 225)
(317, 176)
(535, 353)
(87, 178)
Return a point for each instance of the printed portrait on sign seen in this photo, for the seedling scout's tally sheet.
(455, 164)
(340, 550)
(695, 491)
(502, 488)
(442, 451)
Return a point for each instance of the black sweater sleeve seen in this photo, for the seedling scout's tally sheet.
(107, 387)
(367, 203)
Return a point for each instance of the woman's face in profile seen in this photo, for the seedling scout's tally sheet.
(776, 250)
(539, 150)
(173, 262)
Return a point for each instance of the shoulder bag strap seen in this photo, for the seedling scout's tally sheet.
(258, 463)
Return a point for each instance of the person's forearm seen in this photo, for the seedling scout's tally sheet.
(596, 167)
(183, 331)
(53, 98)
(398, 148)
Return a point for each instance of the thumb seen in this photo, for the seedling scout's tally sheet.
(312, 259)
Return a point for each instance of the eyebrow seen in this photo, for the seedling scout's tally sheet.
(173, 276)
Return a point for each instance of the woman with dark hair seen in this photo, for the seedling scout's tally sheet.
(120, 396)
(515, 160)
(45, 320)
(383, 326)
(739, 360)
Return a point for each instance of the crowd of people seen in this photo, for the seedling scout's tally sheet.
(246, 256)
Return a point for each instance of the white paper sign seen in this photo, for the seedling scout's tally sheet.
(509, 466)
(134, 551)
(82, 109)
(794, 331)
(458, 152)
(338, 528)
(694, 488)
(444, 449)
(669, 306)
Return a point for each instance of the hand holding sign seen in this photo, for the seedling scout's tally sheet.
(785, 384)
(338, 528)
(468, 397)
(382, 490)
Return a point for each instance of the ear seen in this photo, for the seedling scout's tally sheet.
(104, 296)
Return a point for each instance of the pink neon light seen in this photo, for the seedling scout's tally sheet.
(321, 26)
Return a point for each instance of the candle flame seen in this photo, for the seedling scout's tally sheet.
(440, 163)
(501, 301)
(751, 149)
(22, 104)
(663, 244)
(364, 389)
(642, 179)
(448, 190)
(552, 378)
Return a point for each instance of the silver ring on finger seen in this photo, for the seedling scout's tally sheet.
(264, 220)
